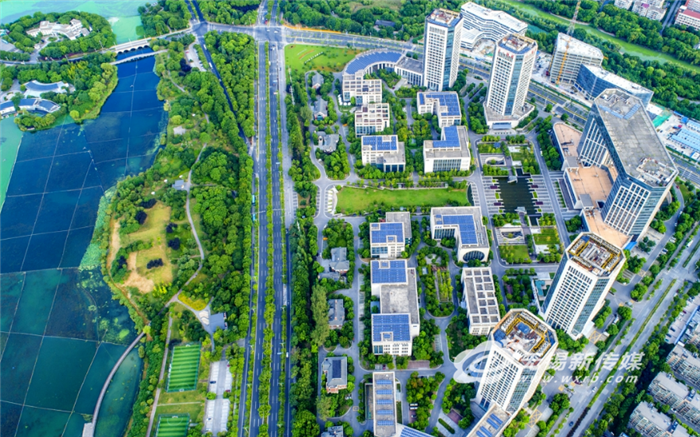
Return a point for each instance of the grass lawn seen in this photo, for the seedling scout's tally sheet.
(153, 229)
(195, 304)
(357, 200)
(393, 5)
(193, 409)
(182, 397)
(518, 251)
(687, 195)
(546, 236)
(172, 426)
(298, 57)
(629, 48)
(184, 368)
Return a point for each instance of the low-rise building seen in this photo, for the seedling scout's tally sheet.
(72, 30)
(688, 17)
(316, 81)
(682, 400)
(647, 421)
(479, 299)
(397, 289)
(685, 365)
(449, 153)
(384, 404)
(410, 69)
(372, 118)
(381, 59)
(686, 141)
(465, 225)
(328, 143)
(7, 108)
(387, 272)
(391, 334)
(389, 238)
(336, 313)
(339, 260)
(364, 91)
(444, 104)
(333, 431)
(385, 152)
(623, 4)
(651, 9)
(336, 371)
(691, 334)
(320, 109)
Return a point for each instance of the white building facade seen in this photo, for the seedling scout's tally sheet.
(443, 30)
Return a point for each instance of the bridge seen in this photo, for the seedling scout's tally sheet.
(137, 57)
(129, 46)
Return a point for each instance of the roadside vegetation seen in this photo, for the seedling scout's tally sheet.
(163, 16)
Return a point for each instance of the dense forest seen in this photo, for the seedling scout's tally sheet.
(163, 17)
(100, 36)
(230, 11)
(345, 16)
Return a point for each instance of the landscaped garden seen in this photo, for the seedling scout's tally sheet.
(302, 58)
(359, 200)
(515, 254)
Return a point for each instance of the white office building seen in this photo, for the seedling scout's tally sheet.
(363, 90)
(649, 422)
(389, 238)
(396, 287)
(465, 225)
(385, 152)
(620, 138)
(651, 9)
(372, 118)
(506, 100)
(384, 404)
(443, 31)
(569, 55)
(444, 104)
(450, 152)
(482, 23)
(522, 347)
(479, 299)
(586, 273)
(688, 17)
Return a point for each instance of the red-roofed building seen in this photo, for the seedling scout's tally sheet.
(688, 17)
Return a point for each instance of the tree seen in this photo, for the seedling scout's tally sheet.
(319, 308)
(564, 117)
(305, 424)
(548, 108)
(624, 312)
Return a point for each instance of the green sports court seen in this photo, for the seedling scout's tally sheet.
(172, 426)
(184, 368)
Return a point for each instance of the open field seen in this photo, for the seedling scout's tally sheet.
(546, 236)
(357, 200)
(516, 251)
(195, 304)
(172, 426)
(393, 5)
(302, 58)
(153, 230)
(629, 48)
(184, 368)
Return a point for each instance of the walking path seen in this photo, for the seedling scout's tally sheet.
(160, 378)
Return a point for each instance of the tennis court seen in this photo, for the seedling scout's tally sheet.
(172, 426)
(184, 368)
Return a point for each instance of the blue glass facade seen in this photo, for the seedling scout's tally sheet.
(592, 81)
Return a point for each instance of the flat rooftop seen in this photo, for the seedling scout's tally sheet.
(479, 294)
(401, 298)
(688, 138)
(364, 60)
(410, 64)
(573, 46)
(684, 355)
(518, 44)
(466, 219)
(453, 143)
(615, 79)
(384, 232)
(389, 271)
(595, 223)
(661, 420)
(443, 17)
(595, 254)
(403, 217)
(641, 152)
(568, 139)
(448, 102)
(384, 401)
(391, 327)
(491, 424)
(669, 383)
(590, 184)
(500, 17)
(526, 337)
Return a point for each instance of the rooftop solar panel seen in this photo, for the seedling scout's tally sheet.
(385, 392)
(492, 423)
(497, 419)
(410, 432)
(384, 402)
(486, 431)
(384, 412)
(397, 324)
(383, 382)
(386, 230)
(378, 143)
(480, 434)
(389, 272)
(362, 62)
(386, 423)
(449, 101)
(467, 227)
(449, 139)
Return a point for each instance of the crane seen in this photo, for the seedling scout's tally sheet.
(569, 32)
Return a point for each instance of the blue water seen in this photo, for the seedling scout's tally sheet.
(60, 330)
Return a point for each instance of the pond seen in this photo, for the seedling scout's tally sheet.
(60, 330)
(122, 15)
(514, 195)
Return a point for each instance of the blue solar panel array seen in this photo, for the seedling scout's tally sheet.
(449, 100)
(398, 324)
(384, 401)
(377, 143)
(389, 272)
(362, 62)
(410, 432)
(386, 423)
(467, 227)
(385, 412)
(385, 392)
(385, 230)
(383, 382)
(449, 139)
(688, 138)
